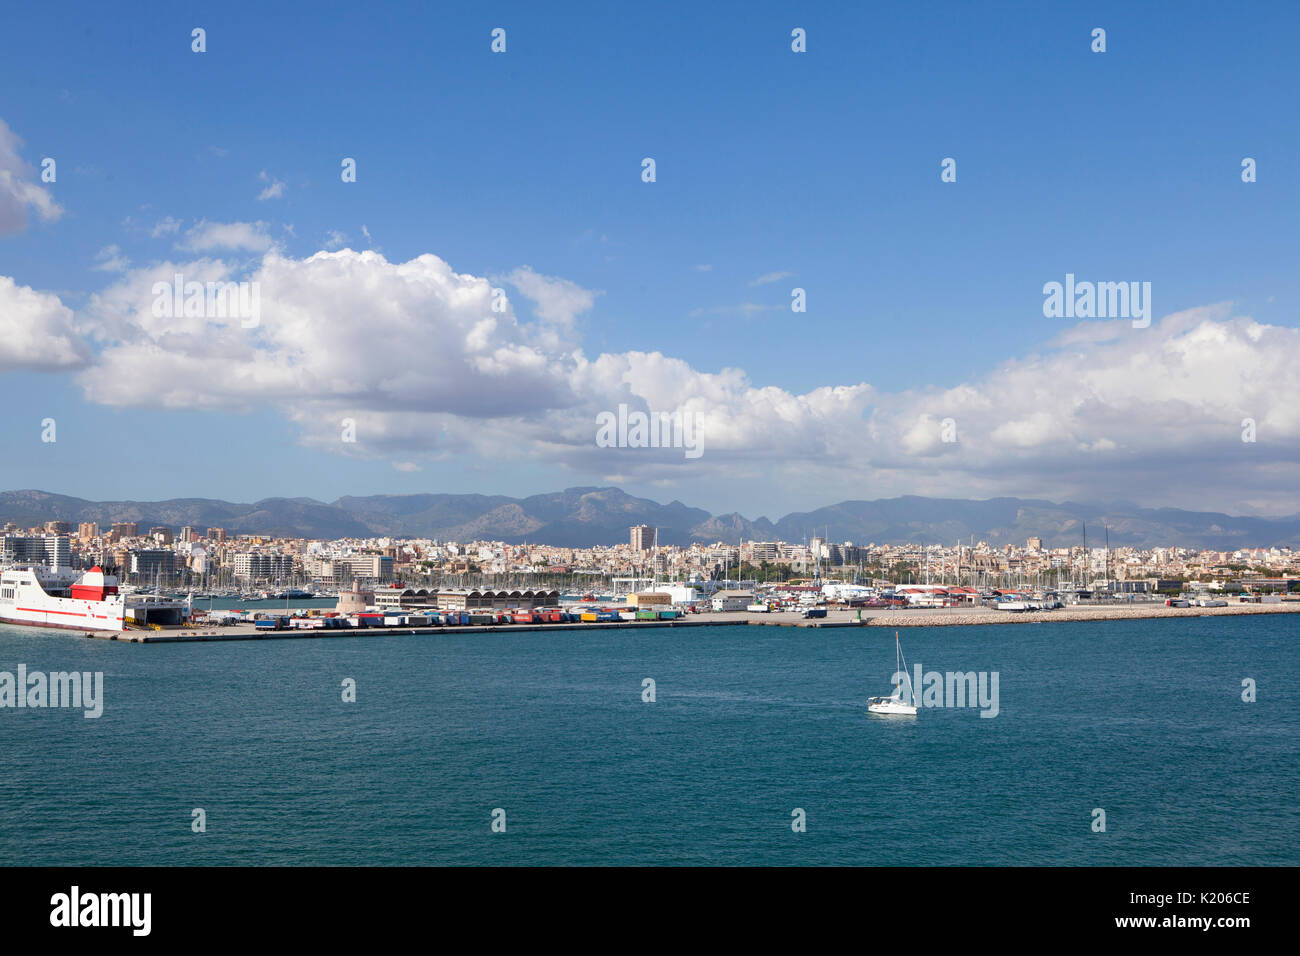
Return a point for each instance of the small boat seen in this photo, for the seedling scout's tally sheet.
(1016, 606)
(897, 702)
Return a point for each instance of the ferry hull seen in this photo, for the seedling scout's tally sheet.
(101, 626)
(86, 603)
(68, 618)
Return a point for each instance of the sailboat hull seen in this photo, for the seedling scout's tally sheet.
(891, 706)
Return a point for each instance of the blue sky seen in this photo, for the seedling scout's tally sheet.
(821, 167)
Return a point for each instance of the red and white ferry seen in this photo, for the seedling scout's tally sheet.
(64, 597)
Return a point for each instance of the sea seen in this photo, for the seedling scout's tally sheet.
(752, 745)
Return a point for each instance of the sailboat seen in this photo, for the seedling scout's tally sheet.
(898, 702)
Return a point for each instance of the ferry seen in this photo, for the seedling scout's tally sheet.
(61, 597)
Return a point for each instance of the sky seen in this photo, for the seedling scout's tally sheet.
(500, 277)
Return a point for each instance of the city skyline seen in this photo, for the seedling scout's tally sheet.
(211, 557)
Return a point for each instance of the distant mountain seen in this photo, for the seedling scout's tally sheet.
(582, 517)
(1002, 521)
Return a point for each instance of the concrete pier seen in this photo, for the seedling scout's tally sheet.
(855, 617)
(246, 632)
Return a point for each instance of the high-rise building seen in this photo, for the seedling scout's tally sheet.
(367, 567)
(125, 529)
(258, 566)
(161, 534)
(644, 537)
(87, 530)
(52, 550)
(217, 534)
(187, 534)
(149, 563)
(57, 527)
(1034, 544)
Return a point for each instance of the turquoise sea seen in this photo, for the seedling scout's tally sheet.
(1143, 719)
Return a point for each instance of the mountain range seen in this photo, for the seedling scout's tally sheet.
(585, 517)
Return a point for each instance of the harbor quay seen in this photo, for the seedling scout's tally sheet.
(836, 617)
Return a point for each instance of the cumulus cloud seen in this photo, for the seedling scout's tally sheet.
(413, 353)
(337, 331)
(37, 331)
(274, 188)
(554, 299)
(1113, 410)
(166, 226)
(19, 189)
(206, 236)
(111, 259)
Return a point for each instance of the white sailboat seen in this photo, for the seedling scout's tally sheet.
(897, 702)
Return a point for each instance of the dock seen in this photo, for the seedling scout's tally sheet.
(240, 632)
(840, 618)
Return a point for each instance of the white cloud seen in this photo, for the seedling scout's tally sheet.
(335, 240)
(771, 277)
(206, 236)
(554, 299)
(111, 259)
(274, 187)
(704, 268)
(37, 331)
(745, 309)
(413, 352)
(18, 187)
(165, 226)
